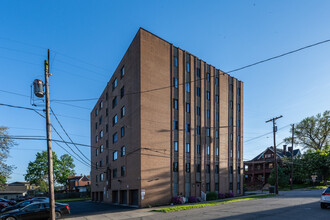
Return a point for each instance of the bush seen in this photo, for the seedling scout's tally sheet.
(211, 196)
(177, 200)
(192, 199)
(229, 195)
(221, 196)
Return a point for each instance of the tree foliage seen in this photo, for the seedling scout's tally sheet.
(313, 132)
(283, 179)
(5, 144)
(37, 171)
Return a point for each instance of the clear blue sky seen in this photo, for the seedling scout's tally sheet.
(226, 34)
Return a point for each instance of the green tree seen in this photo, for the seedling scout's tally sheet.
(313, 132)
(283, 179)
(5, 144)
(37, 171)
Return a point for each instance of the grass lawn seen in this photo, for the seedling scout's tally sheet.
(186, 207)
(72, 200)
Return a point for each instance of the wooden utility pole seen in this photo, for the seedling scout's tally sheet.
(49, 145)
(275, 154)
(291, 179)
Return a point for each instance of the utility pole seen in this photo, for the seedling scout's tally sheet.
(291, 179)
(49, 145)
(275, 154)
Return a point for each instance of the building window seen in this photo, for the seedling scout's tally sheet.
(231, 104)
(122, 72)
(96, 151)
(114, 102)
(123, 169)
(216, 186)
(101, 105)
(187, 107)
(231, 136)
(208, 97)
(231, 169)
(217, 99)
(175, 167)
(122, 131)
(187, 167)
(175, 61)
(270, 165)
(198, 149)
(122, 151)
(122, 92)
(198, 91)
(188, 127)
(100, 120)
(208, 113)
(106, 128)
(217, 151)
(101, 134)
(175, 125)
(95, 125)
(106, 96)
(198, 110)
(187, 87)
(114, 138)
(114, 154)
(175, 103)
(198, 168)
(96, 112)
(198, 130)
(175, 146)
(106, 112)
(122, 111)
(198, 72)
(107, 159)
(208, 168)
(217, 169)
(97, 165)
(217, 116)
(114, 173)
(96, 178)
(96, 139)
(101, 163)
(208, 149)
(217, 133)
(231, 153)
(101, 148)
(208, 77)
(175, 82)
(188, 67)
(208, 132)
(187, 147)
(231, 120)
(114, 120)
(217, 81)
(114, 84)
(107, 144)
(239, 108)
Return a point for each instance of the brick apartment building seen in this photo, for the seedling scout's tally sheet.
(167, 124)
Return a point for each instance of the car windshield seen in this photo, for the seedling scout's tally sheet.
(327, 190)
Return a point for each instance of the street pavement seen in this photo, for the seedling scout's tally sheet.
(297, 204)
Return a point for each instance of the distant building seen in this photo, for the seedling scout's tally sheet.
(79, 184)
(257, 170)
(167, 124)
(17, 189)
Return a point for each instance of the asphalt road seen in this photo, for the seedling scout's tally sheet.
(288, 205)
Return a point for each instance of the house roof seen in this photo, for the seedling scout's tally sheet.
(279, 152)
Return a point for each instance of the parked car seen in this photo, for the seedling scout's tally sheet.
(35, 211)
(325, 198)
(23, 198)
(17, 206)
(3, 205)
(40, 199)
(10, 202)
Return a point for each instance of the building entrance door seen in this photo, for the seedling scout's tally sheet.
(198, 189)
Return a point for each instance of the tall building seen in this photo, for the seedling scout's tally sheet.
(167, 124)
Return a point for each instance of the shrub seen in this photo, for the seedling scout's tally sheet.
(211, 196)
(221, 196)
(229, 195)
(192, 199)
(177, 200)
